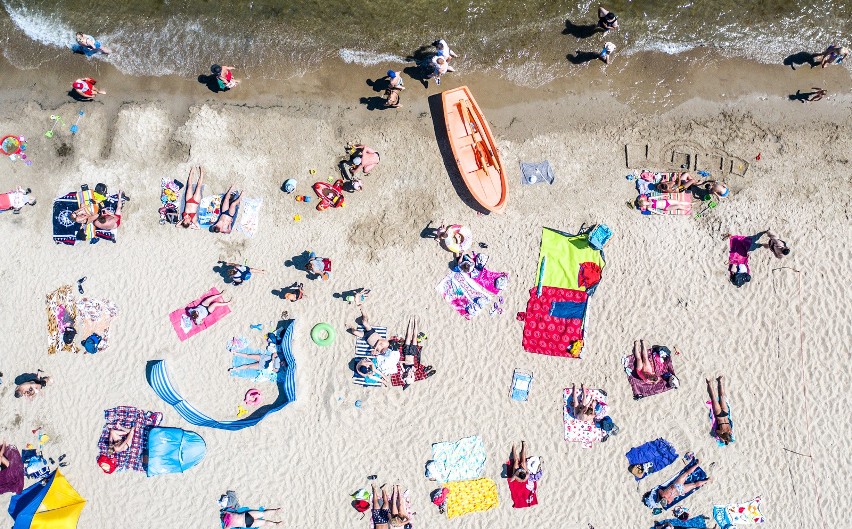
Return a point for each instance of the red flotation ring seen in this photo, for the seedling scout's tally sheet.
(330, 195)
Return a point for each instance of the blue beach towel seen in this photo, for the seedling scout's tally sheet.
(697, 475)
(241, 345)
(693, 523)
(660, 453)
(160, 382)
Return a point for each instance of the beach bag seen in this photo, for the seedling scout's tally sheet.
(68, 335)
(90, 344)
(600, 236)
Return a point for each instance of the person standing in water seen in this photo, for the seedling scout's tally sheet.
(606, 52)
(224, 76)
(607, 20)
(89, 45)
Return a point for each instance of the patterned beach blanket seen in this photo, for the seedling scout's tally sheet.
(61, 311)
(249, 216)
(128, 417)
(65, 229)
(738, 513)
(460, 460)
(577, 431)
(663, 369)
(466, 497)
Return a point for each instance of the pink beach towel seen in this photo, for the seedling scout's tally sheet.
(186, 328)
(663, 369)
(740, 246)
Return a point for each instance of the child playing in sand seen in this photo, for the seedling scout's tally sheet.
(85, 88)
(319, 266)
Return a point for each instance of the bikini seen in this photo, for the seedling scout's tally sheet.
(191, 216)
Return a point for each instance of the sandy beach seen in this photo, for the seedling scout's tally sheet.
(782, 341)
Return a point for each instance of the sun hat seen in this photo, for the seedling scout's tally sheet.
(78, 85)
(391, 74)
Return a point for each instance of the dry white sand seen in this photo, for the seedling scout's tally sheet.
(782, 341)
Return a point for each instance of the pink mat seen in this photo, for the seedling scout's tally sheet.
(740, 245)
(185, 328)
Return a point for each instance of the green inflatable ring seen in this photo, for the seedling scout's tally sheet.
(323, 334)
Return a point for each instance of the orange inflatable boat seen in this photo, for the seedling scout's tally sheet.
(474, 149)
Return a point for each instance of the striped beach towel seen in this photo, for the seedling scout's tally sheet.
(160, 382)
(363, 350)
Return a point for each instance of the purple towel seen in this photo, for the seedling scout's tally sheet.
(12, 477)
(664, 370)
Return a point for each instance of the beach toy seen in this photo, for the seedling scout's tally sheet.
(358, 403)
(29, 446)
(289, 185)
(56, 119)
(10, 145)
(43, 439)
(323, 334)
(757, 157)
(330, 195)
(257, 326)
(253, 398)
(75, 127)
(297, 218)
(241, 411)
(312, 171)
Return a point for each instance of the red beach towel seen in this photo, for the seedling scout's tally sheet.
(522, 497)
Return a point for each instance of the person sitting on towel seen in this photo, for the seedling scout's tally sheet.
(719, 401)
(677, 184)
(518, 470)
(366, 369)
(378, 344)
(584, 409)
(662, 496)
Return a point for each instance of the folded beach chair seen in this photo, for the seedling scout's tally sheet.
(186, 328)
(521, 383)
(697, 475)
(713, 423)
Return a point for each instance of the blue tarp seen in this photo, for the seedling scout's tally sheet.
(160, 382)
(173, 450)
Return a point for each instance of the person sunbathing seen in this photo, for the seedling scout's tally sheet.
(721, 412)
(366, 369)
(584, 409)
(32, 388)
(263, 360)
(16, 199)
(648, 204)
(206, 307)
(518, 470)
(225, 222)
(678, 183)
(380, 513)
(377, 344)
(108, 219)
(252, 518)
(4, 461)
(411, 355)
(663, 496)
(643, 366)
(295, 292)
(120, 439)
(192, 199)
(238, 273)
(399, 515)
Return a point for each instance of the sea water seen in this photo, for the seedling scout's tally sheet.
(523, 41)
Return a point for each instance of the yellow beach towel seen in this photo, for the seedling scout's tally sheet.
(470, 496)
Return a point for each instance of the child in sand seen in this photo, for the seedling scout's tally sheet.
(85, 88)
(319, 266)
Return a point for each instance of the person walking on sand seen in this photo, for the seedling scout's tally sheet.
(606, 53)
(442, 49)
(85, 88)
(778, 247)
(607, 20)
(224, 76)
(88, 45)
(834, 54)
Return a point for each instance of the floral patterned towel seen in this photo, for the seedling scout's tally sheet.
(577, 431)
(461, 460)
(738, 513)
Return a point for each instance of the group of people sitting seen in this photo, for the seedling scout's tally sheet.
(97, 213)
(192, 201)
(387, 512)
(386, 355)
(677, 194)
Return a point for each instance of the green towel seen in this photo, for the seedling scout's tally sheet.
(564, 255)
